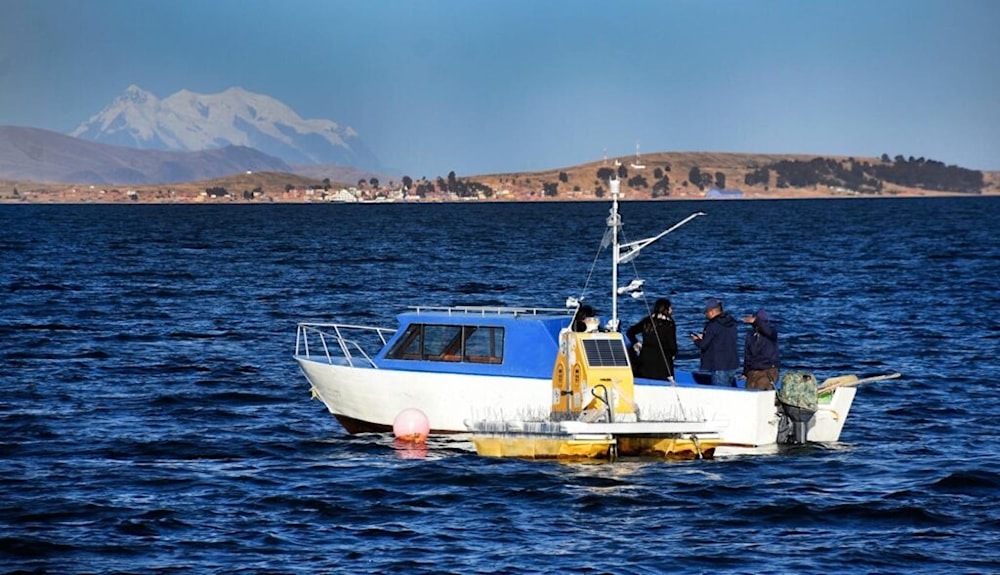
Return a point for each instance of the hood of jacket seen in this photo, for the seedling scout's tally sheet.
(724, 319)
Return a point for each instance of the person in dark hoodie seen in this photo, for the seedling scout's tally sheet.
(717, 343)
(760, 353)
(583, 313)
(658, 348)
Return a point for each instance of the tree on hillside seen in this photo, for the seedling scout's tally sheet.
(551, 189)
(867, 178)
(720, 180)
(374, 182)
(407, 182)
(424, 188)
(694, 176)
(637, 181)
(326, 183)
(563, 177)
(604, 174)
(757, 177)
(706, 180)
(661, 188)
(930, 175)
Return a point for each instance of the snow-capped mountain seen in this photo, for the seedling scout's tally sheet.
(187, 121)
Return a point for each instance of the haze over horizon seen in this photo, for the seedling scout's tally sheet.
(493, 87)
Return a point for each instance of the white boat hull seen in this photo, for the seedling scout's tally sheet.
(369, 399)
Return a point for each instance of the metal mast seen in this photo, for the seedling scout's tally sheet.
(624, 253)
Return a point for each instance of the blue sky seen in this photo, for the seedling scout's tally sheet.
(484, 87)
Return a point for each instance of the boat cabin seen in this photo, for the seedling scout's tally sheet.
(476, 340)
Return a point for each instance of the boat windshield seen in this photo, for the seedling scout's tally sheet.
(457, 343)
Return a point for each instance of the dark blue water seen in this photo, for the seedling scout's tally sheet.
(152, 419)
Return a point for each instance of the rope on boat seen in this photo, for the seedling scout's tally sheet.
(605, 400)
(628, 401)
(697, 446)
(593, 266)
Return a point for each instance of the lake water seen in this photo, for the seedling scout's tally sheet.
(152, 419)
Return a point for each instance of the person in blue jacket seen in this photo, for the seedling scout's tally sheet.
(760, 353)
(718, 345)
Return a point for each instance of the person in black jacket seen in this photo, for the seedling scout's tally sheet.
(658, 347)
(717, 343)
(583, 313)
(760, 353)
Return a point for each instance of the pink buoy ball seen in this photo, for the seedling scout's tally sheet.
(411, 425)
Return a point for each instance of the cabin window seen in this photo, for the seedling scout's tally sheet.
(443, 342)
(430, 342)
(483, 344)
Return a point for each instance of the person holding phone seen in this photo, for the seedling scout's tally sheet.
(717, 344)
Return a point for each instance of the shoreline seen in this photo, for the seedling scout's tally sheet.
(549, 200)
(275, 189)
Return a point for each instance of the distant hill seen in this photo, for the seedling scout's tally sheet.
(30, 154)
(691, 174)
(187, 121)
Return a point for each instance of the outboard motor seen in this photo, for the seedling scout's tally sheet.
(798, 400)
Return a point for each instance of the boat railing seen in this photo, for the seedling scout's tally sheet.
(493, 310)
(353, 345)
